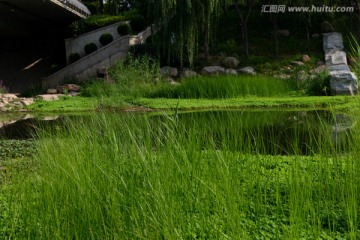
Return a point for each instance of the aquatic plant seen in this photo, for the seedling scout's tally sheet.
(206, 176)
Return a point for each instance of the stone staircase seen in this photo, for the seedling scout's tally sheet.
(342, 80)
(87, 67)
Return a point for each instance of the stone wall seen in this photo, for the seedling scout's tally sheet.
(342, 80)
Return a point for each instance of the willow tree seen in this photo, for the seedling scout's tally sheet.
(185, 23)
(244, 9)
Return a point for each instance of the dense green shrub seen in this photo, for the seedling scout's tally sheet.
(124, 29)
(138, 23)
(90, 48)
(94, 22)
(73, 57)
(93, 7)
(106, 38)
(319, 85)
(147, 49)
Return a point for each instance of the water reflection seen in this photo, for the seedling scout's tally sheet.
(22, 125)
(257, 132)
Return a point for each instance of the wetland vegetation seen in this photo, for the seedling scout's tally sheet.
(207, 175)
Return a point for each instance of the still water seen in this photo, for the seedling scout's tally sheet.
(259, 132)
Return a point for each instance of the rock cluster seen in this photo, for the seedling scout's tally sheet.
(66, 89)
(229, 67)
(10, 102)
(342, 80)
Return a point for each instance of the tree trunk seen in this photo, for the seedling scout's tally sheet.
(245, 39)
(274, 21)
(101, 6)
(244, 27)
(206, 42)
(307, 28)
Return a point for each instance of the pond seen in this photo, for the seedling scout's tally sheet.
(183, 175)
(258, 132)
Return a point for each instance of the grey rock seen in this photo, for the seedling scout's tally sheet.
(49, 97)
(340, 67)
(297, 63)
(73, 94)
(169, 72)
(230, 62)
(319, 69)
(231, 71)
(213, 70)
(188, 74)
(247, 70)
(72, 87)
(343, 83)
(51, 91)
(335, 57)
(283, 76)
(8, 96)
(332, 41)
(27, 101)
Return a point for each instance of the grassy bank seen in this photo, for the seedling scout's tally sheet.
(81, 104)
(171, 177)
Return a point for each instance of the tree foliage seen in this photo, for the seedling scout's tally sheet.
(185, 23)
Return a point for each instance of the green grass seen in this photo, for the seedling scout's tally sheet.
(65, 104)
(133, 77)
(334, 102)
(207, 176)
(228, 87)
(82, 104)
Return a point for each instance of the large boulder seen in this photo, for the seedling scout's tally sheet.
(247, 70)
(335, 57)
(340, 67)
(8, 97)
(187, 73)
(213, 70)
(167, 71)
(51, 91)
(343, 83)
(332, 41)
(49, 97)
(230, 62)
(231, 71)
(319, 69)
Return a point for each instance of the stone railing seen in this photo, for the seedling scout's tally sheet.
(77, 44)
(74, 6)
(87, 66)
(342, 80)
